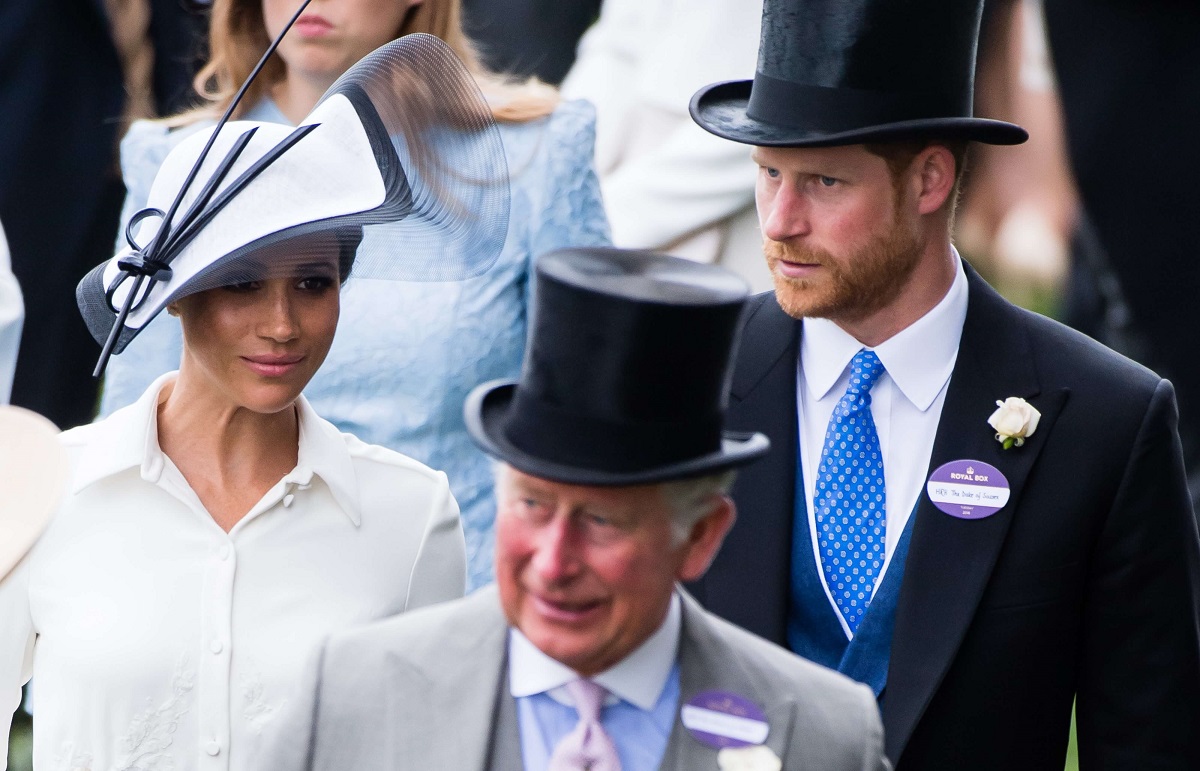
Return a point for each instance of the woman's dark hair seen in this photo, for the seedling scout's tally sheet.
(348, 243)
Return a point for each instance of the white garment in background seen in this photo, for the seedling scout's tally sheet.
(158, 641)
(667, 183)
(12, 316)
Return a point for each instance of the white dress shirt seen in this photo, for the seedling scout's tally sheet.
(641, 704)
(158, 641)
(638, 678)
(906, 404)
(12, 317)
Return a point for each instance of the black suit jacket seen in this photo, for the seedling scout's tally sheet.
(1085, 585)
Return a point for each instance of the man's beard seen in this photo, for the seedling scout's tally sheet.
(851, 289)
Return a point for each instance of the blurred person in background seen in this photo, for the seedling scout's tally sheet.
(529, 38)
(984, 570)
(407, 354)
(1107, 90)
(217, 528)
(1129, 72)
(161, 45)
(60, 95)
(669, 185)
(33, 477)
(12, 314)
(1019, 207)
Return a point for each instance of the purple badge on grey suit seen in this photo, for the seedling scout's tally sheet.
(722, 719)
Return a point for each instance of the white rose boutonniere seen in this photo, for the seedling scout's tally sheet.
(1014, 420)
(757, 757)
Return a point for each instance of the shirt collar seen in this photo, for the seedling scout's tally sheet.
(129, 438)
(639, 678)
(919, 359)
(126, 439)
(323, 453)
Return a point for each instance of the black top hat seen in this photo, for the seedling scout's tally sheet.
(626, 376)
(838, 72)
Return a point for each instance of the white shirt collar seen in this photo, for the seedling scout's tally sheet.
(919, 359)
(639, 678)
(129, 438)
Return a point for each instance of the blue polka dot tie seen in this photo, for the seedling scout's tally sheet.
(849, 500)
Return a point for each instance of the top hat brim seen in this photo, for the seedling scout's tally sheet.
(721, 109)
(487, 409)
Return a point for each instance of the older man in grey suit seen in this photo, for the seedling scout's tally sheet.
(586, 654)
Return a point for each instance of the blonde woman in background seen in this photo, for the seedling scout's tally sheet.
(406, 355)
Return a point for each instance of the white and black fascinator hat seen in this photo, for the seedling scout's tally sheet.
(403, 144)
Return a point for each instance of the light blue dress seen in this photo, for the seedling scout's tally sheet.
(407, 354)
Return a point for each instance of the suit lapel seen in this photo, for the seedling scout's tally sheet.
(505, 752)
(420, 698)
(757, 552)
(950, 560)
(708, 664)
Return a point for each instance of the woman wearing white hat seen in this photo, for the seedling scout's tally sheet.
(214, 531)
(388, 379)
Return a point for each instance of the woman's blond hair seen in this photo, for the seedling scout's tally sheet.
(238, 38)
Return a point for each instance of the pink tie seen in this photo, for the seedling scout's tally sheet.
(588, 747)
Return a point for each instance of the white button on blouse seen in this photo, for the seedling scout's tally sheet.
(158, 641)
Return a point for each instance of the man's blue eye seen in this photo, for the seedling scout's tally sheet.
(828, 181)
(772, 173)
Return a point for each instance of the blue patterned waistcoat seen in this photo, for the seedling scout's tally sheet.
(813, 628)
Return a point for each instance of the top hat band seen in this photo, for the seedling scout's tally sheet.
(800, 105)
(545, 430)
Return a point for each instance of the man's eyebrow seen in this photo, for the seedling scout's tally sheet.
(754, 156)
(524, 487)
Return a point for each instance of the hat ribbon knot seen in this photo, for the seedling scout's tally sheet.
(138, 263)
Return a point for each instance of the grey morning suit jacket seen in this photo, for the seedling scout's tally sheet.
(428, 691)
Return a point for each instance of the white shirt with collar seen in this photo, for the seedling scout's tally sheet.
(158, 641)
(640, 732)
(638, 678)
(906, 404)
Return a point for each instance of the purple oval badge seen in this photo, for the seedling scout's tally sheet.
(968, 489)
(722, 719)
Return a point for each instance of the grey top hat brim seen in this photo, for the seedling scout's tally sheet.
(721, 109)
(487, 407)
